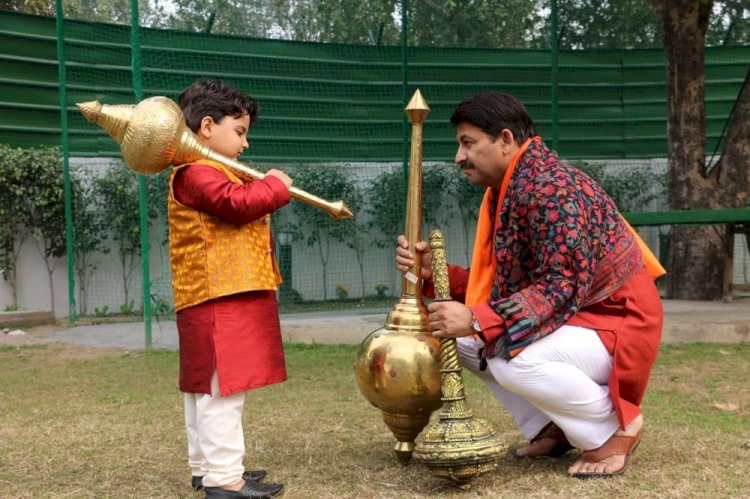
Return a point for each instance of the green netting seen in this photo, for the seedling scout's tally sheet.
(332, 116)
(331, 102)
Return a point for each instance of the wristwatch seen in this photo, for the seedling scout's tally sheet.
(476, 327)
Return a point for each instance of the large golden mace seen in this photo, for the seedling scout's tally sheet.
(398, 365)
(458, 446)
(153, 135)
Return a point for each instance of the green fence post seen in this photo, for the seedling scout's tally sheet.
(135, 50)
(61, 77)
(405, 100)
(553, 42)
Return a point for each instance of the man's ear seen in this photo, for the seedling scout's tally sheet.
(507, 139)
(206, 126)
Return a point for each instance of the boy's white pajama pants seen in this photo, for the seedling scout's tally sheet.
(216, 443)
(561, 377)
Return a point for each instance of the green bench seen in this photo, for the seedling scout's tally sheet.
(735, 221)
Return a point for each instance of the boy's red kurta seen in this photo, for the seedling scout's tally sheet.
(217, 335)
(237, 335)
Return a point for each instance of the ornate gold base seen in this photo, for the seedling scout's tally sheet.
(459, 449)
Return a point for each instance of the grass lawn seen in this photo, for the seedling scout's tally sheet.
(77, 422)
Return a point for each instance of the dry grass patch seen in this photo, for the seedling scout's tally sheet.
(111, 425)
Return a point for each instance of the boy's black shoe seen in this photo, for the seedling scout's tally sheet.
(248, 476)
(252, 490)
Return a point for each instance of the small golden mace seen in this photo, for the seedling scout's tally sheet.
(153, 135)
(458, 446)
(398, 365)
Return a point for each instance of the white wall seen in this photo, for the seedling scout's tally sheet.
(106, 286)
(33, 283)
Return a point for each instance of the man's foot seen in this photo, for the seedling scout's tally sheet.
(612, 458)
(249, 489)
(253, 476)
(549, 442)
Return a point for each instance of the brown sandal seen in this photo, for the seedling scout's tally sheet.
(616, 445)
(555, 433)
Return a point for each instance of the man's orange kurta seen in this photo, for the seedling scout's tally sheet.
(226, 323)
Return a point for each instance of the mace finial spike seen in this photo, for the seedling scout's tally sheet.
(90, 110)
(114, 119)
(417, 109)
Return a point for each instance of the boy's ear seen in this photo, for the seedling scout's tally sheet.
(206, 125)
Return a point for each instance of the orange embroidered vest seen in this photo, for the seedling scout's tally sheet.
(211, 258)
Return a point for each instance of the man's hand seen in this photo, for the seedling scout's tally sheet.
(450, 319)
(405, 259)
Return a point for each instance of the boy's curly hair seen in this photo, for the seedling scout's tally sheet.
(214, 98)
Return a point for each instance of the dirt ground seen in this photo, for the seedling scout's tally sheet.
(25, 336)
(38, 336)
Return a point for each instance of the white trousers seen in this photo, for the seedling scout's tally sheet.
(216, 443)
(561, 377)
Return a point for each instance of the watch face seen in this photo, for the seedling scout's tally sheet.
(475, 325)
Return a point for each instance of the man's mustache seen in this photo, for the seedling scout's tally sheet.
(466, 164)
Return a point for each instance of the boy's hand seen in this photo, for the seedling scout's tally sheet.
(281, 176)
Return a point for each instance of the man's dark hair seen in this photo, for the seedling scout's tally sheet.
(493, 111)
(214, 98)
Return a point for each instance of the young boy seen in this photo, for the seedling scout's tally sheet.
(224, 282)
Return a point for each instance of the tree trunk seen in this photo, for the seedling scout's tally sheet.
(49, 262)
(696, 252)
(732, 171)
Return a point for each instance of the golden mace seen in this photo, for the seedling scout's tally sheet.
(458, 446)
(153, 135)
(398, 365)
